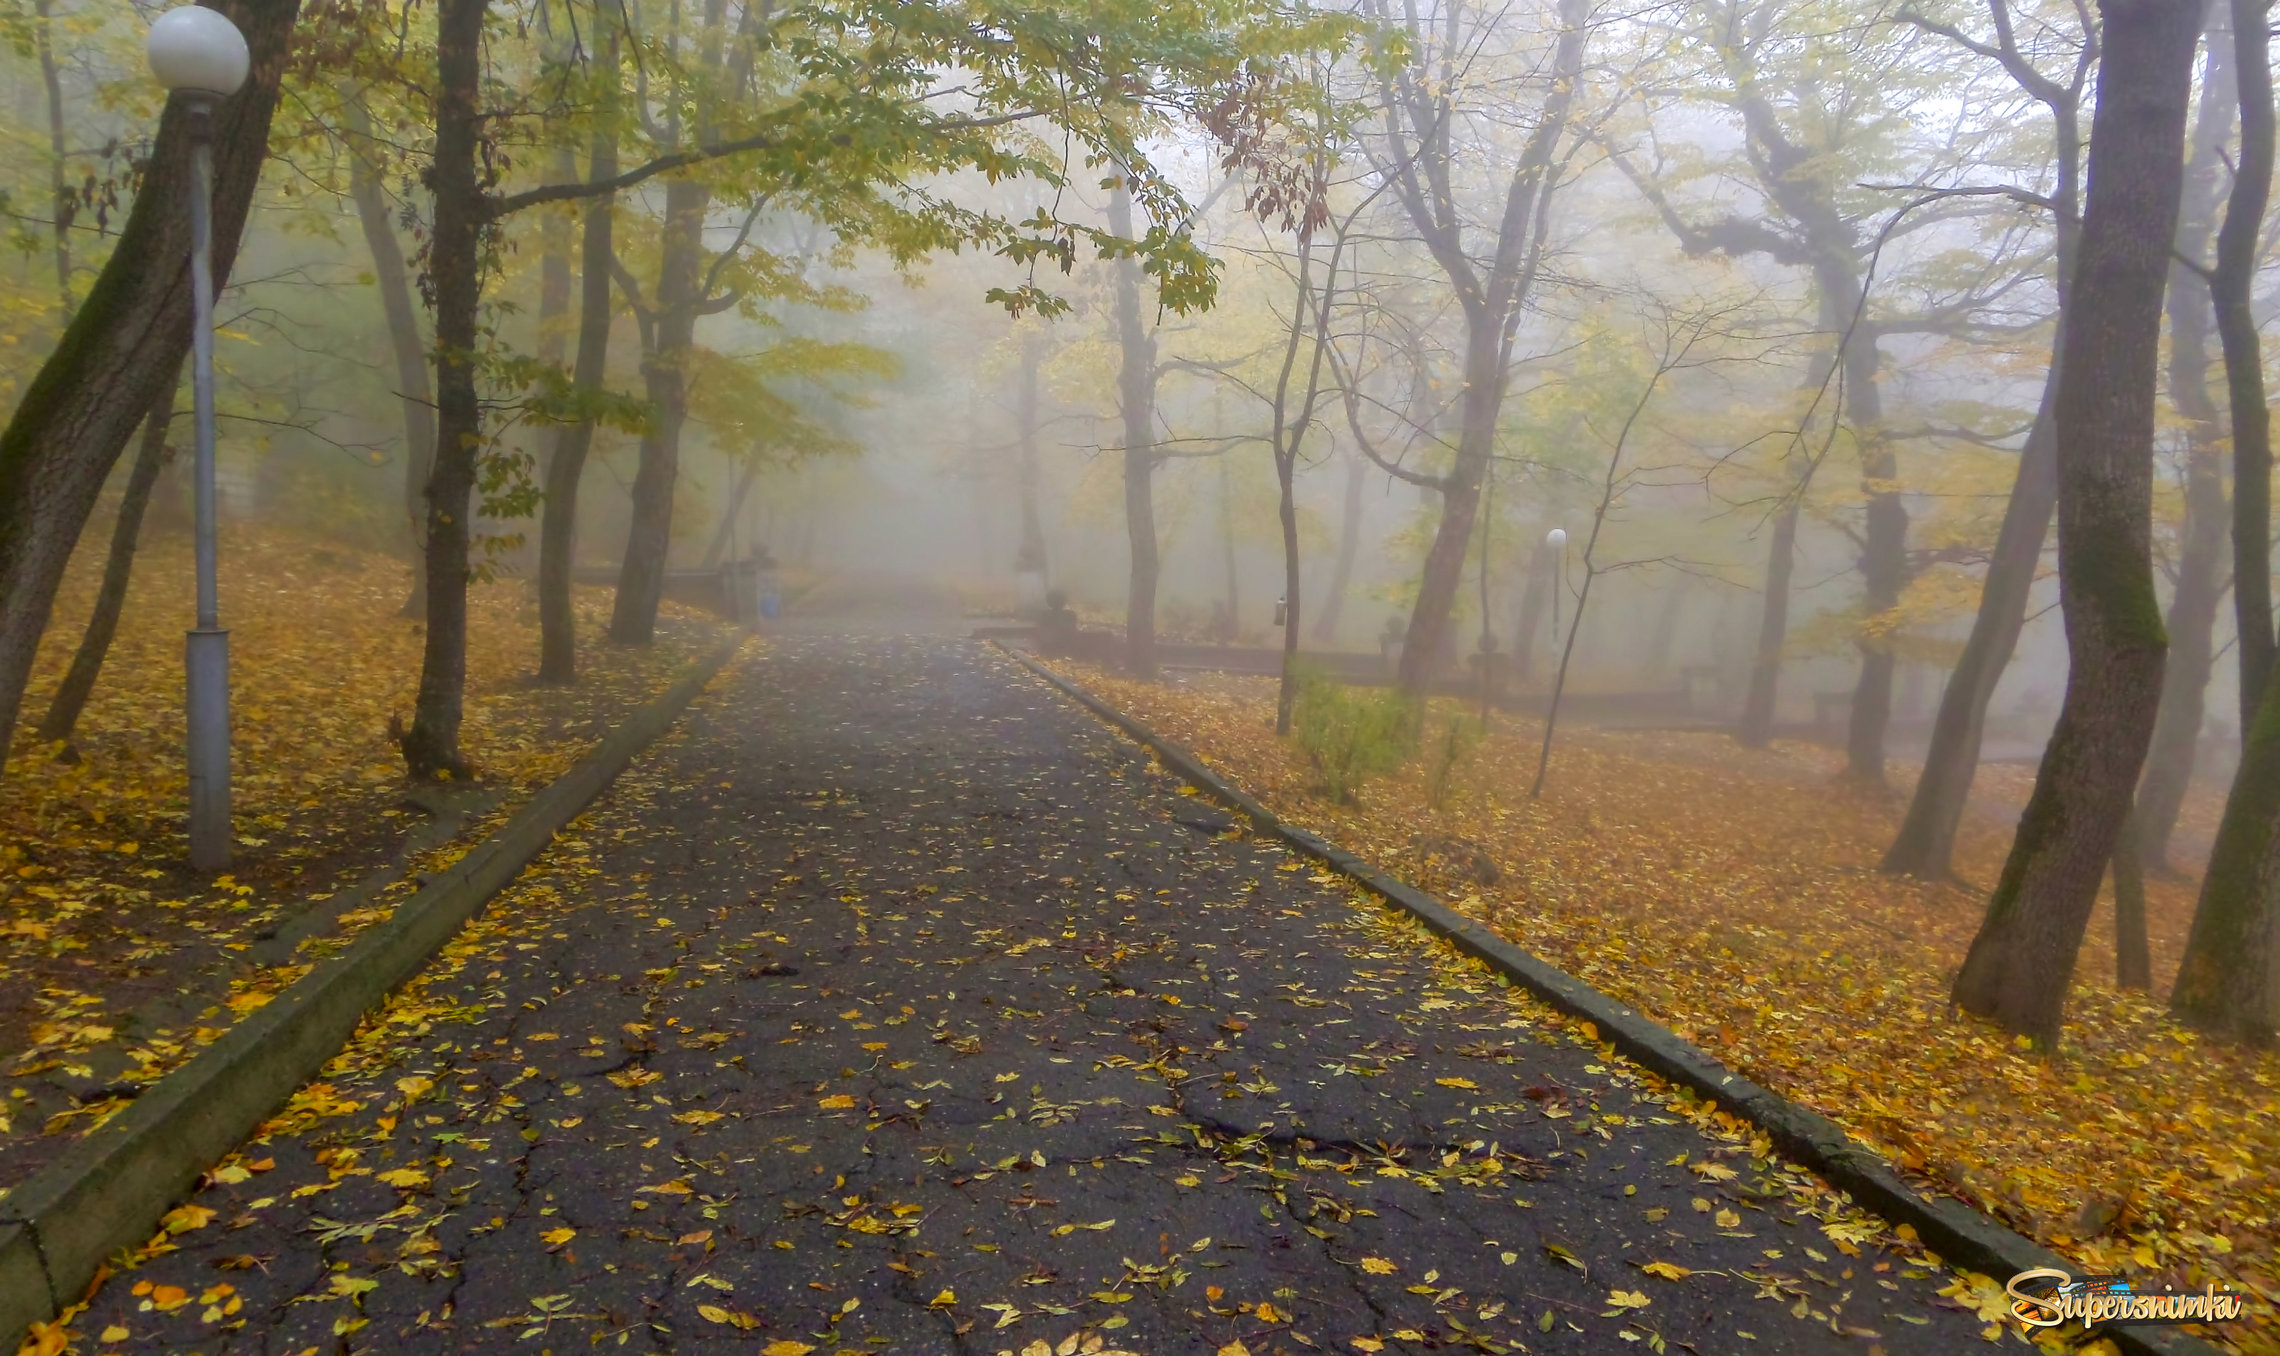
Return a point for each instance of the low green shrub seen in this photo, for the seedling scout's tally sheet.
(1351, 736)
(1449, 756)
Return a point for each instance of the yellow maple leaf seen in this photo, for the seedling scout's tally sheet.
(838, 1101)
(786, 1347)
(1378, 1266)
(557, 1237)
(1628, 1299)
(402, 1177)
(182, 1219)
(944, 1300)
(1727, 1219)
(1669, 1271)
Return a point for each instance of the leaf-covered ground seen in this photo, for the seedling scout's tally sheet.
(1733, 896)
(116, 962)
(896, 1005)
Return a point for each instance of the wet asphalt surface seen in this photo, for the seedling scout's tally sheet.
(895, 1004)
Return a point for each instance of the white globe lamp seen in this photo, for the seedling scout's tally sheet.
(194, 50)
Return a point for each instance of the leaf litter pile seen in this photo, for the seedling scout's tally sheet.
(895, 1004)
(116, 962)
(1733, 896)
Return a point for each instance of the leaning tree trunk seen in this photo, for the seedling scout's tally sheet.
(124, 343)
(1925, 845)
(558, 525)
(2238, 247)
(111, 597)
(2193, 603)
(1756, 729)
(431, 745)
(404, 341)
(2022, 961)
(1136, 400)
(665, 378)
(1349, 544)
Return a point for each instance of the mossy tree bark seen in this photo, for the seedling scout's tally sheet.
(124, 343)
(111, 596)
(2023, 958)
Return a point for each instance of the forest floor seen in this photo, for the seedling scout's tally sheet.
(1733, 895)
(116, 962)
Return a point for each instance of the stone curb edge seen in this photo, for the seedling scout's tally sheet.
(1950, 1228)
(109, 1190)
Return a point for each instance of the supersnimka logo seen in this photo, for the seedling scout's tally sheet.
(2046, 1297)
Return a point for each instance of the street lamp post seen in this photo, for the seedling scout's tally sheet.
(200, 57)
(1556, 540)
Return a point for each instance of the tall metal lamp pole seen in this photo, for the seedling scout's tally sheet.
(1556, 539)
(200, 57)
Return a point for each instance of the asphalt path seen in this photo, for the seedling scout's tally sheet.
(895, 1004)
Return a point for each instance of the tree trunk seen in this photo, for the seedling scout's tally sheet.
(2133, 957)
(404, 341)
(1421, 649)
(455, 247)
(2021, 962)
(1883, 561)
(746, 472)
(2225, 982)
(59, 183)
(1032, 550)
(665, 379)
(1925, 845)
(558, 525)
(118, 570)
(1756, 729)
(1349, 543)
(1227, 550)
(1136, 399)
(2199, 590)
(125, 342)
(2230, 286)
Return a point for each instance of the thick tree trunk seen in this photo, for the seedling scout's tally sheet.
(2226, 982)
(1349, 543)
(118, 570)
(2021, 962)
(125, 342)
(2199, 589)
(2238, 245)
(1423, 647)
(1925, 845)
(1756, 728)
(431, 745)
(1136, 400)
(1883, 563)
(404, 342)
(665, 378)
(558, 525)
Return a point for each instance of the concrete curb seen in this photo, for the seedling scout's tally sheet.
(109, 1190)
(1948, 1227)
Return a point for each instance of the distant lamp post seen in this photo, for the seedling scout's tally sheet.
(200, 57)
(1556, 542)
